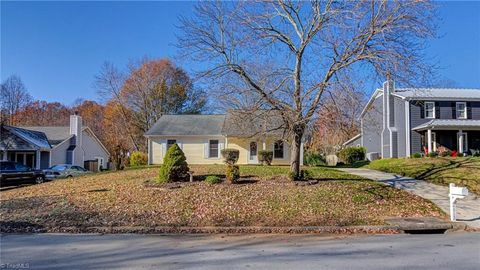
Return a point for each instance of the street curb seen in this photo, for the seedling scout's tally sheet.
(381, 229)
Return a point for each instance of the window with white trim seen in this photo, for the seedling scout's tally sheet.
(213, 149)
(461, 110)
(278, 149)
(170, 143)
(429, 109)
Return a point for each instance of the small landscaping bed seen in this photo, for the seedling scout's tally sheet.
(438, 170)
(263, 197)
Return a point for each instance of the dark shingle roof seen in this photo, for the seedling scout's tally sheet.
(55, 135)
(22, 139)
(188, 124)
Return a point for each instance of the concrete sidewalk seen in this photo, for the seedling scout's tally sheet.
(468, 209)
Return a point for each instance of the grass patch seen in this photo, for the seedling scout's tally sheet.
(122, 199)
(440, 170)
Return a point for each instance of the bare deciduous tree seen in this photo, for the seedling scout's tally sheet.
(289, 53)
(13, 97)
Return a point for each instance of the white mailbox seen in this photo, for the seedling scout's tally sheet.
(454, 194)
(458, 191)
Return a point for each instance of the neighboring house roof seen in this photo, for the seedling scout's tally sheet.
(438, 93)
(352, 139)
(55, 135)
(449, 123)
(240, 123)
(451, 94)
(187, 125)
(30, 139)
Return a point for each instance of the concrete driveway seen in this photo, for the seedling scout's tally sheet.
(67, 251)
(468, 209)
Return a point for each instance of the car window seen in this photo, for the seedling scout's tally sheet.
(78, 168)
(21, 167)
(7, 166)
(59, 167)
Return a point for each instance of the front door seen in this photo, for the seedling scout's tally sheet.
(253, 155)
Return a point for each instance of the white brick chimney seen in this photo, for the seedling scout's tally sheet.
(76, 128)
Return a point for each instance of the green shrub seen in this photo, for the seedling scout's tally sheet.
(230, 155)
(174, 167)
(265, 157)
(433, 154)
(460, 154)
(304, 176)
(213, 179)
(311, 158)
(417, 155)
(352, 154)
(232, 173)
(138, 159)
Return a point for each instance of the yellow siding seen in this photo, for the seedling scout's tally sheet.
(243, 145)
(194, 149)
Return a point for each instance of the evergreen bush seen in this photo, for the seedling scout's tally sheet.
(174, 167)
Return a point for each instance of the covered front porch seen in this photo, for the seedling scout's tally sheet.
(35, 159)
(462, 136)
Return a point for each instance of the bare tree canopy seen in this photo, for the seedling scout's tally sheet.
(288, 54)
(13, 97)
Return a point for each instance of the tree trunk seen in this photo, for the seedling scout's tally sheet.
(296, 151)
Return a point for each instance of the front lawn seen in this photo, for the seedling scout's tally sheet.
(265, 198)
(440, 170)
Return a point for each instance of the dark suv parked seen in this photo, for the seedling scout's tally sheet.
(13, 173)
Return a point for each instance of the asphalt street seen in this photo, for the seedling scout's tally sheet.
(128, 251)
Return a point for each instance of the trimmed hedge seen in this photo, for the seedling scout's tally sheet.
(311, 158)
(174, 167)
(230, 155)
(352, 154)
(138, 159)
(232, 173)
(265, 157)
(213, 179)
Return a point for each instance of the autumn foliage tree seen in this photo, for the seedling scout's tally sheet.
(288, 54)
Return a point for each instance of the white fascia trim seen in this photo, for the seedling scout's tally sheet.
(352, 139)
(374, 96)
(66, 140)
(180, 135)
(407, 129)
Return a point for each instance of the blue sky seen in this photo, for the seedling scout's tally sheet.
(58, 47)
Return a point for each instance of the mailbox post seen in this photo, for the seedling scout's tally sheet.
(454, 194)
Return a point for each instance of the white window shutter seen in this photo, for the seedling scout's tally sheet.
(164, 147)
(205, 149)
(221, 145)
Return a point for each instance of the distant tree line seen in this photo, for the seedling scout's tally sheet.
(133, 99)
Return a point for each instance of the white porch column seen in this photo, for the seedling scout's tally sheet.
(4, 155)
(301, 154)
(460, 141)
(149, 150)
(429, 140)
(264, 145)
(226, 142)
(37, 160)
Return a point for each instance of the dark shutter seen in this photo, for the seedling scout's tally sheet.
(454, 110)
(469, 110)
(437, 110)
(422, 109)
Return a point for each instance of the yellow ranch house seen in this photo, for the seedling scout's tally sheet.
(202, 137)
